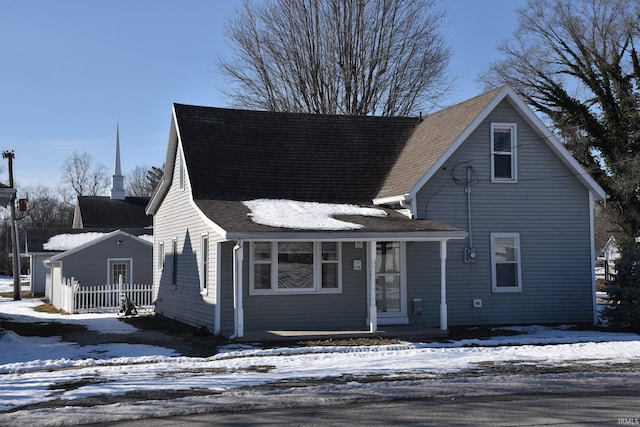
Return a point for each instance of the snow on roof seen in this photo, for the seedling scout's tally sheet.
(306, 215)
(64, 242)
(147, 237)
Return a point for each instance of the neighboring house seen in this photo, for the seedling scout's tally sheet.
(100, 260)
(93, 214)
(6, 194)
(43, 243)
(610, 255)
(280, 221)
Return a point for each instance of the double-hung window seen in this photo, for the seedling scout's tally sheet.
(174, 263)
(295, 267)
(161, 256)
(504, 152)
(204, 261)
(505, 262)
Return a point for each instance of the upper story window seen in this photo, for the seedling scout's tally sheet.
(504, 152)
(505, 262)
(295, 267)
(181, 171)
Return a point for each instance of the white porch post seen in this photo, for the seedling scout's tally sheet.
(443, 285)
(371, 270)
(237, 293)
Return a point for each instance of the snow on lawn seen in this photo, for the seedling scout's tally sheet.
(36, 369)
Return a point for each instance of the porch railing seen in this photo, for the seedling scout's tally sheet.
(108, 298)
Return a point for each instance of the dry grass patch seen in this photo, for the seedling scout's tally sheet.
(48, 308)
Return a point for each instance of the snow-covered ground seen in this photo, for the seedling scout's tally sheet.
(35, 370)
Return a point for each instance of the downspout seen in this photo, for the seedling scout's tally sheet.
(468, 190)
(593, 259)
(238, 313)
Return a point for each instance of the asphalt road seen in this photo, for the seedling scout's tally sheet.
(512, 410)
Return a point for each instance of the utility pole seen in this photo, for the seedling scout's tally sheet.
(15, 240)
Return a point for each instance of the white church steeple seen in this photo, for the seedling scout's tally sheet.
(117, 180)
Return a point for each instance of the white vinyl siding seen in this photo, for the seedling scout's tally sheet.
(504, 152)
(505, 262)
(295, 267)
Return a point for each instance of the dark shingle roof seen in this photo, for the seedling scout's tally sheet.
(104, 212)
(242, 155)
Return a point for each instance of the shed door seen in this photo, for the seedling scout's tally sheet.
(119, 267)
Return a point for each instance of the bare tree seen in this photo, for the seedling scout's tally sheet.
(357, 57)
(45, 208)
(83, 176)
(142, 180)
(137, 183)
(576, 62)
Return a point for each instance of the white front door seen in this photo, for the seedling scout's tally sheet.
(391, 289)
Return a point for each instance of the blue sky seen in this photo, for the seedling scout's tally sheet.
(70, 68)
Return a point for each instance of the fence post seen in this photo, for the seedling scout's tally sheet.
(120, 288)
(71, 302)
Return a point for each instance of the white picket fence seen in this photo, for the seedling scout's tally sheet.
(79, 298)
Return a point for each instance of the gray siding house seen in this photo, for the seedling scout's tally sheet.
(100, 261)
(473, 215)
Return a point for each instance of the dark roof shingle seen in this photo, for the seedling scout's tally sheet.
(104, 212)
(243, 155)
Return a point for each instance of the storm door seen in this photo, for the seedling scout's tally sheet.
(390, 283)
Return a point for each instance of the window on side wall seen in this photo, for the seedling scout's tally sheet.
(204, 267)
(505, 262)
(174, 263)
(161, 256)
(295, 267)
(504, 152)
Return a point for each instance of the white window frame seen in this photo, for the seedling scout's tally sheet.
(174, 263)
(513, 127)
(204, 264)
(181, 170)
(128, 262)
(517, 262)
(317, 272)
(161, 256)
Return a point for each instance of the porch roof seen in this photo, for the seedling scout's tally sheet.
(233, 221)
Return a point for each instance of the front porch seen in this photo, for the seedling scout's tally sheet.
(401, 332)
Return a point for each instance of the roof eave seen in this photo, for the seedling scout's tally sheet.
(167, 174)
(348, 236)
(534, 121)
